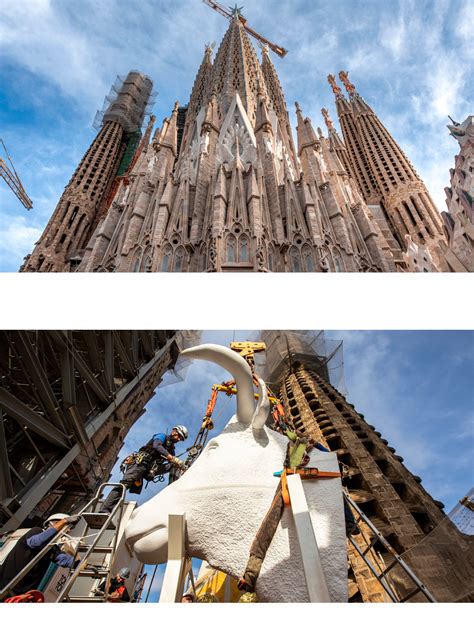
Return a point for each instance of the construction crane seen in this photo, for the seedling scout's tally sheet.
(231, 12)
(12, 179)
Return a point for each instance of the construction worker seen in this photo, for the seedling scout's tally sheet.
(28, 546)
(188, 598)
(157, 457)
(117, 590)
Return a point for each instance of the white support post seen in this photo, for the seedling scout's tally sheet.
(313, 570)
(173, 580)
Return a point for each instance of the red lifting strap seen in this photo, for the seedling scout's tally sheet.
(31, 596)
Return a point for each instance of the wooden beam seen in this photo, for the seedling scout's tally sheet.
(173, 580)
(313, 569)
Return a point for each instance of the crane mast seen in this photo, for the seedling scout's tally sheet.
(236, 11)
(12, 179)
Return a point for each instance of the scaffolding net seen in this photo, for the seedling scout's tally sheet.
(285, 348)
(456, 549)
(177, 374)
(130, 99)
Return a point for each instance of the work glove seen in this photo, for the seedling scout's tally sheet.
(72, 519)
(178, 463)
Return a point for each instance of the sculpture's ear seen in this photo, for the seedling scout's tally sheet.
(263, 407)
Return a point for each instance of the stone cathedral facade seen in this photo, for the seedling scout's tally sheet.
(222, 186)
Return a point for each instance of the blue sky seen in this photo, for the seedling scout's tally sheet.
(410, 59)
(415, 387)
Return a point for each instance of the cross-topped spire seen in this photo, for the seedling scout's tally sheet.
(236, 11)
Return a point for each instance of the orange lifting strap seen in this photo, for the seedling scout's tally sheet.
(304, 473)
(211, 404)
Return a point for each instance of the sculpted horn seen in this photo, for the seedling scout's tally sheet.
(238, 368)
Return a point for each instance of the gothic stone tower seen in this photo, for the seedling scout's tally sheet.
(223, 187)
(392, 498)
(62, 243)
(388, 181)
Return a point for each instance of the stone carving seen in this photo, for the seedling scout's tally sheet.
(227, 492)
(237, 144)
(212, 257)
(261, 263)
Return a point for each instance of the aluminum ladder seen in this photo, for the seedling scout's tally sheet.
(94, 520)
(100, 522)
(397, 560)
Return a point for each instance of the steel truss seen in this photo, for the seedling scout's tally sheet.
(67, 400)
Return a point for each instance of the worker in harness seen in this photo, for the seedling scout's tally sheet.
(157, 457)
(28, 546)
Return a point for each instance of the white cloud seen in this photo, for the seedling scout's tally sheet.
(21, 236)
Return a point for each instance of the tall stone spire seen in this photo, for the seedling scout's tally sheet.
(200, 91)
(404, 197)
(63, 242)
(373, 473)
(335, 142)
(277, 97)
(358, 166)
(236, 70)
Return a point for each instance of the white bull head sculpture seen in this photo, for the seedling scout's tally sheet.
(229, 489)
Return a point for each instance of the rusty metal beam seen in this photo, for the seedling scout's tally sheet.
(20, 411)
(126, 362)
(39, 378)
(6, 486)
(65, 343)
(109, 359)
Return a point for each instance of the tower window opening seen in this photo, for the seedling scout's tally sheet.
(231, 249)
(243, 249)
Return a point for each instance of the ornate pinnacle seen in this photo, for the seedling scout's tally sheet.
(328, 121)
(350, 88)
(337, 90)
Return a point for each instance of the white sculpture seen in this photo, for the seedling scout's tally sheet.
(229, 489)
(205, 139)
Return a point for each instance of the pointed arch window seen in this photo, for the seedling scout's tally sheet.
(179, 260)
(295, 260)
(147, 262)
(165, 262)
(271, 260)
(338, 266)
(308, 259)
(231, 249)
(243, 249)
(203, 262)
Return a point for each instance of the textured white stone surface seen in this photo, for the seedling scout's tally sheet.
(226, 495)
